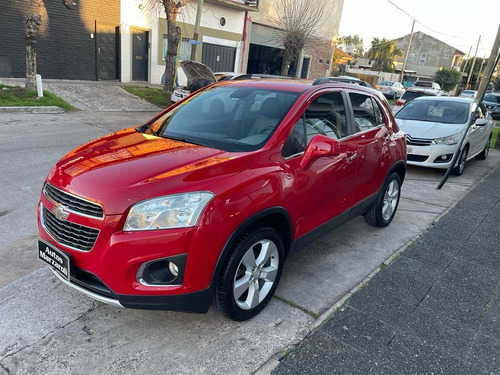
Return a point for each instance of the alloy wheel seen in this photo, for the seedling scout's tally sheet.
(256, 274)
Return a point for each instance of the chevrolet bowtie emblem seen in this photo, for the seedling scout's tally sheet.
(60, 212)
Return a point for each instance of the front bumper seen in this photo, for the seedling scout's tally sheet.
(198, 302)
(430, 156)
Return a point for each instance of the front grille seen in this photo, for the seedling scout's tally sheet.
(419, 158)
(69, 234)
(73, 203)
(417, 141)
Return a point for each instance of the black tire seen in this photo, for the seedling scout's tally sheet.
(383, 210)
(255, 263)
(395, 96)
(486, 150)
(459, 169)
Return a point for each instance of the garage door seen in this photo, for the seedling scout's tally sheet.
(218, 58)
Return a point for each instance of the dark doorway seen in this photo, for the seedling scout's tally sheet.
(305, 67)
(107, 52)
(218, 58)
(140, 61)
(264, 60)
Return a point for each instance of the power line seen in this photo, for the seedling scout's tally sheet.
(428, 28)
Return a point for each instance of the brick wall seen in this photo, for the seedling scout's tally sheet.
(66, 49)
(321, 56)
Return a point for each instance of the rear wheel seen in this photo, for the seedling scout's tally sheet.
(250, 274)
(484, 154)
(459, 169)
(383, 210)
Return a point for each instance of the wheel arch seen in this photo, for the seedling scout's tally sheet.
(275, 217)
(399, 168)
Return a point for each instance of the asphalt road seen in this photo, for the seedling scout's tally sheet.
(48, 328)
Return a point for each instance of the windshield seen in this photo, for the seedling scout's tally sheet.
(492, 98)
(423, 84)
(229, 118)
(446, 112)
(385, 83)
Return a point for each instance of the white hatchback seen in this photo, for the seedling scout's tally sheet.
(434, 127)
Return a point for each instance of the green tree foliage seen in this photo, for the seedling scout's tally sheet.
(475, 71)
(447, 78)
(352, 44)
(383, 53)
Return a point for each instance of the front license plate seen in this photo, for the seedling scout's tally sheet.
(409, 150)
(54, 258)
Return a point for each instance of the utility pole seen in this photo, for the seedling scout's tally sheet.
(490, 67)
(480, 72)
(401, 79)
(473, 63)
(196, 29)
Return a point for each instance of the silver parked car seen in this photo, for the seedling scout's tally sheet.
(434, 126)
(390, 89)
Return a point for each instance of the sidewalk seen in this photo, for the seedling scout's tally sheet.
(102, 96)
(434, 310)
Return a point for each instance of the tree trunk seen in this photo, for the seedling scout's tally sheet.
(33, 22)
(174, 35)
(31, 66)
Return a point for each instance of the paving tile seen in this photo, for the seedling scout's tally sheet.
(486, 353)
(359, 330)
(376, 300)
(285, 369)
(432, 250)
(320, 354)
(438, 331)
(454, 308)
(409, 355)
(491, 322)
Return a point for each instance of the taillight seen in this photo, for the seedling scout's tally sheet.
(399, 102)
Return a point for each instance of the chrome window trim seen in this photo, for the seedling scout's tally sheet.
(74, 196)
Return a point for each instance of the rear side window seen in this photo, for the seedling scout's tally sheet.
(366, 112)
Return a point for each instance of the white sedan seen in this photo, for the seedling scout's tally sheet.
(390, 89)
(434, 127)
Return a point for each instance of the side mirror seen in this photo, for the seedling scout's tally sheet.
(319, 146)
(481, 122)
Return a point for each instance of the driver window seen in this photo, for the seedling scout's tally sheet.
(325, 116)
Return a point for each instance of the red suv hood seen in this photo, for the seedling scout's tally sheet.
(125, 167)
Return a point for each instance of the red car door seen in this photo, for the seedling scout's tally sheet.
(323, 190)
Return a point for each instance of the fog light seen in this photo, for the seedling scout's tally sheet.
(444, 157)
(174, 270)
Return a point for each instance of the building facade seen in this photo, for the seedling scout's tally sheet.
(427, 55)
(77, 39)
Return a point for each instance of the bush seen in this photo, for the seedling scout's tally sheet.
(447, 78)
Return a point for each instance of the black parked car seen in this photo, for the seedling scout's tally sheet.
(492, 103)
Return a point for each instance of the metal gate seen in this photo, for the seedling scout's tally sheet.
(140, 61)
(218, 58)
(107, 52)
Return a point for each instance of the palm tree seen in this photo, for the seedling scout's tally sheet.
(383, 53)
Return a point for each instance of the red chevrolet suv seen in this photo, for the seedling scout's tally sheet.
(203, 203)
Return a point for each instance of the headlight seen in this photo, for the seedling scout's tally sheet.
(171, 211)
(450, 140)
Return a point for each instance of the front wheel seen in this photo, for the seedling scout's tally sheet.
(484, 154)
(383, 210)
(459, 169)
(251, 274)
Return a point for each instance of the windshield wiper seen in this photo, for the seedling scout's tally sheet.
(150, 127)
(187, 141)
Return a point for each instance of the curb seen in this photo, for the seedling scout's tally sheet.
(34, 109)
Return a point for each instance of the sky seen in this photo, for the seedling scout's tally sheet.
(458, 23)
